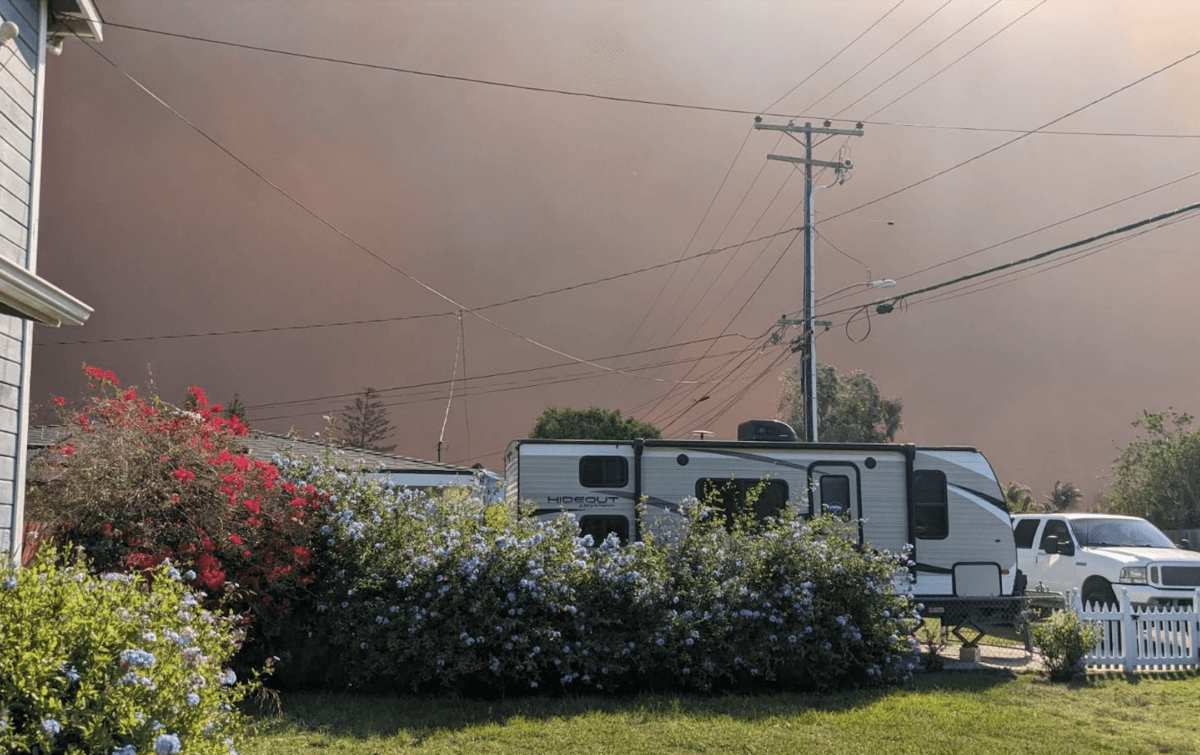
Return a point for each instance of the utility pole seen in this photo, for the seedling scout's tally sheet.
(808, 362)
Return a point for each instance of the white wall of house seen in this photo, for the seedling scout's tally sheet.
(22, 68)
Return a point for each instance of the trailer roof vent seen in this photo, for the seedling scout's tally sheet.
(766, 429)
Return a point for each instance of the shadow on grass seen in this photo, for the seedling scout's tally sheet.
(421, 717)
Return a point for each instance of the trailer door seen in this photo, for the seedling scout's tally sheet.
(835, 490)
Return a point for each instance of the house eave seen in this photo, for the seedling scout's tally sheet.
(33, 298)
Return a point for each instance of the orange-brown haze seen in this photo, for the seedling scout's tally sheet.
(487, 194)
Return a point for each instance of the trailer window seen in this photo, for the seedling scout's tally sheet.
(769, 497)
(603, 471)
(835, 494)
(599, 528)
(931, 516)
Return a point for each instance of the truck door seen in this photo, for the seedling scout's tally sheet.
(1057, 569)
(835, 490)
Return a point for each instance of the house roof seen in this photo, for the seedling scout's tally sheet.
(24, 294)
(260, 445)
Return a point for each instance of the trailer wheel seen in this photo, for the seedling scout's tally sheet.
(1099, 592)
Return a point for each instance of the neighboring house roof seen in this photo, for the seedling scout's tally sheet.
(259, 445)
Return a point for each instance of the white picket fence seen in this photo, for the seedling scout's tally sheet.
(1155, 638)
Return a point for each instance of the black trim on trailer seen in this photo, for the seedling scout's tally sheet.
(997, 502)
(910, 458)
(930, 569)
(638, 446)
(857, 485)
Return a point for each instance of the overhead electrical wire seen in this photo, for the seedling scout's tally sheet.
(729, 324)
(921, 57)
(955, 62)
(1044, 266)
(873, 60)
(508, 373)
(750, 188)
(401, 318)
(630, 100)
(450, 399)
(1014, 140)
(835, 56)
(347, 237)
(1051, 225)
(489, 389)
(694, 390)
(1040, 255)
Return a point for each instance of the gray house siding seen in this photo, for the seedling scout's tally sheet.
(21, 68)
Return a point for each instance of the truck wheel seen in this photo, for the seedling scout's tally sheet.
(1099, 593)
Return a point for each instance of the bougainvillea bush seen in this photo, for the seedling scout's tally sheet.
(113, 663)
(135, 482)
(435, 594)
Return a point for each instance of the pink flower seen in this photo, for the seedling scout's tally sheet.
(184, 475)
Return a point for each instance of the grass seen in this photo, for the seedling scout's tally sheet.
(951, 712)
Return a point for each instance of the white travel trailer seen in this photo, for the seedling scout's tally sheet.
(944, 502)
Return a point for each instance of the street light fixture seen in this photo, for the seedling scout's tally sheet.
(881, 283)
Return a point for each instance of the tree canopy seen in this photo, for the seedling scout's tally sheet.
(1158, 476)
(590, 424)
(367, 423)
(1020, 498)
(850, 408)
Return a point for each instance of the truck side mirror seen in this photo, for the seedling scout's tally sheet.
(1050, 544)
(1185, 544)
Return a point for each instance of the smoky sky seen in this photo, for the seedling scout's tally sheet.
(485, 194)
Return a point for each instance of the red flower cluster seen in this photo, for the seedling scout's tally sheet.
(193, 496)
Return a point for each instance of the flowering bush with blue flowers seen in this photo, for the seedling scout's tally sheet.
(113, 663)
(449, 593)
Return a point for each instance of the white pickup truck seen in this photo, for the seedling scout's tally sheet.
(1095, 552)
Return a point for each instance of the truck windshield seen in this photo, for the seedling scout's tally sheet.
(1129, 533)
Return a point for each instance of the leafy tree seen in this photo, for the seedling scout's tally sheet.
(1063, 496)
(850, 408)
(590, 424)
(1020, 498)
(367, 423)
(1158, 476)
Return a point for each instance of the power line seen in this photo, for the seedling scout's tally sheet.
(873, 60)
(658, 103)
(498, 388)
(921, 57)
(346, 236)
(1014, 140)
(401, 318)
(508, 373)
(836, 55)
(1051, 225)
(1045, 265)
(955, 62)
(1041, 255)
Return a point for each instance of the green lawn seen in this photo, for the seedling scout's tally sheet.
(951, 712)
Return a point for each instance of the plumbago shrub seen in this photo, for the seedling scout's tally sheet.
(113, 663)
(450, 593)
(137, 481)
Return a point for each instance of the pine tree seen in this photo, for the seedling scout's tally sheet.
(367, 423)
(236, 409)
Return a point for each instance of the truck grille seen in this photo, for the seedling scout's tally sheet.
(1181, 576)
